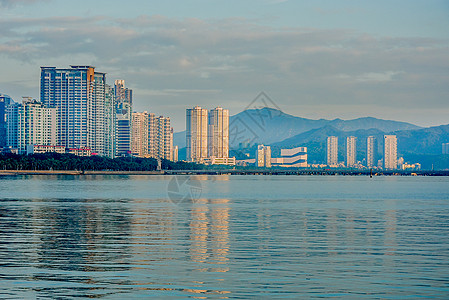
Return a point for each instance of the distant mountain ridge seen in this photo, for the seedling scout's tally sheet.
(410, 142)
(268, 126)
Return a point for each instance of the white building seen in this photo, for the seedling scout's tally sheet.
(371, 152)
(37, 124)
(351, 153)
(291, 158)
(390, 152)
(332, 150)
(230, 161)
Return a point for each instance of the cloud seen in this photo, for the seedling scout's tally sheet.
(373, 77)
(12, 3)
(210, 62)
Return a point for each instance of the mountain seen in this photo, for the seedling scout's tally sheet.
(369, 122)
(268, 126)
(422, 141)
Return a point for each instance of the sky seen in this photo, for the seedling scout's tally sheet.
(314, 59)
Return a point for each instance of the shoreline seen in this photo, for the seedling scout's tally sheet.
(274, 172)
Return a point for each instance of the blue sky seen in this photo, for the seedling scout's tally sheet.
(316, 59)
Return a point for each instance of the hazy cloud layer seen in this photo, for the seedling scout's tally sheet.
(172, 64)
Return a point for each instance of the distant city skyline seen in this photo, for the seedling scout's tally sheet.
(326, 59)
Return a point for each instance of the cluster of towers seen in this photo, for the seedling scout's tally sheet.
(77, 109)
(207, 136)
(152, 136)
(390, 146)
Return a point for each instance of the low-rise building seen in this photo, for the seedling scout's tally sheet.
(291, 158)
(39, 149)
(36, 149)
(230, 161)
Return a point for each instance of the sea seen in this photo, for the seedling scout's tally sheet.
(224, 237)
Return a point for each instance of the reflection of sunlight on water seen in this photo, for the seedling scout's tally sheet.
(198, 291)
(209, 229)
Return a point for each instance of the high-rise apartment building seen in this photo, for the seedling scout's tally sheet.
(123, 102)
(139, 137)
(445, 148)
(5, 101)
(196, 134)
(110, 122)
(123, 93)
(263, 156)
(371, 152)
(390, 152)
(12, 126)
(351, 151)
(36, 124)
(332, 150)
(163, 138)
(218, 133)
(78, 93)
(152, 136)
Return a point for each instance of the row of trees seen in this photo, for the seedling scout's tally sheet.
(56, 161)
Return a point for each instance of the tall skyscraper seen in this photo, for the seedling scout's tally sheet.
(110, 122)
(123, 100)
(332, 150)
(263, 156)
(390, 152)
(163, 138)
(139, 137)
(5, 101)
(351, 151)
(196, 134)
(218, 133)
(152, 135)
(12, 126)
(37, 124)
(79, 95)
(123, 93)
(371, 152)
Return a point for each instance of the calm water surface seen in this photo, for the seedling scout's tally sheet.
(117, 237)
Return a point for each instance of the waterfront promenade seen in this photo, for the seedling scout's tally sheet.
(330, 172)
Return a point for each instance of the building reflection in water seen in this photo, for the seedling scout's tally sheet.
(209, 232)
(153, 229)
(77, 239)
